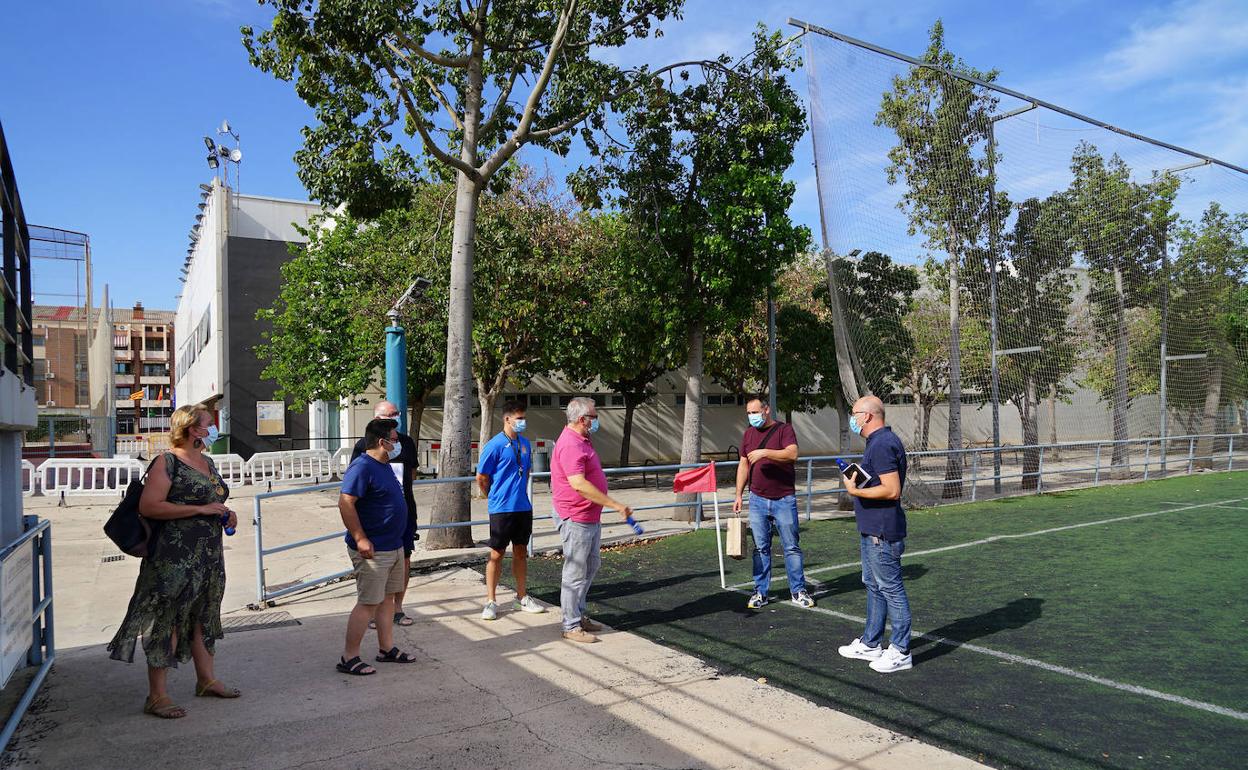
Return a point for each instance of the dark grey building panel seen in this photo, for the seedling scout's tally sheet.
(253, 281)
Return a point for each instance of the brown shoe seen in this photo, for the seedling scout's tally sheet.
(579, 635)
(591, 626)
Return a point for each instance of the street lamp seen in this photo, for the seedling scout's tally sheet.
(396, 351)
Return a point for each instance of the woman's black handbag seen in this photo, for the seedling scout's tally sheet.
(133, 534)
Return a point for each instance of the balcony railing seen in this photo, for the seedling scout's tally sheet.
(155, 355)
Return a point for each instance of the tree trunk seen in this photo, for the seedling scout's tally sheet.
(927, 427)
(1119, 460)
(1053, 418)
(1213, 396)
(486, 398)
(630, 406)
(691, 433)
(418, 416)
(1028, 413)
(451, 503)
(953, 463)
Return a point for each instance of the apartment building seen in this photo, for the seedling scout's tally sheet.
(142, 341)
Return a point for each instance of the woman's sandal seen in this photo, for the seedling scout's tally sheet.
(206, 691)
(355, 667)
(402, 619)
(169, 711)
(394, 656)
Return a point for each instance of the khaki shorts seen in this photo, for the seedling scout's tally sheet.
(385, 573)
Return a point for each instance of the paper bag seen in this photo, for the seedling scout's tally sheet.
(736, 547)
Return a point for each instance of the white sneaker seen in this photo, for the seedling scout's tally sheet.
(490, 612)
(859, 651)
(891, 661)
(529, 604)
(803, 599)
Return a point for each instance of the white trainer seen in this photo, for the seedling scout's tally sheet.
(891, 661)
(490, 612)
(859, 651)
(529, 604)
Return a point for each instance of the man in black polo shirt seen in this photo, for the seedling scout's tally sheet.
(405, 469)
(882, 535)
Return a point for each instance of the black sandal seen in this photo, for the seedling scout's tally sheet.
(355, 667)
(394, 656)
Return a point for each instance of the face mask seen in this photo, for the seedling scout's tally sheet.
(395, 451)
(519, 425)
(593, 425)
(854, 426)
(213, 435)
(757, 420)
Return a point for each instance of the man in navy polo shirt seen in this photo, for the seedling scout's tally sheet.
(375, 514)
(503, 474)
(882, 539)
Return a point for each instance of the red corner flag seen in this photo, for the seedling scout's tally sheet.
(695, 480)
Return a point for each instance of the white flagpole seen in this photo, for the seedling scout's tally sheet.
(719, 548)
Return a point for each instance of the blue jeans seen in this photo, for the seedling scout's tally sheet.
(783, 513)
(886, 596)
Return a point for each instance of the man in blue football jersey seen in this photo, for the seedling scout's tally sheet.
(503, 474)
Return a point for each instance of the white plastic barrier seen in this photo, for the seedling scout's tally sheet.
(264, 466)
(132, 446)
(340, 460)
(87, 477)
(307, 465)
(233, 469)
(28, 478)
(143, 444)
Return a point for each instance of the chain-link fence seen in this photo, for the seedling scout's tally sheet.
(1048, 278)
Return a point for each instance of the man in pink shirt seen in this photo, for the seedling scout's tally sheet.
(578, 489)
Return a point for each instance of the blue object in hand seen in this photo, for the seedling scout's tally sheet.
(844, 466)
(225, 522)
(637, 530)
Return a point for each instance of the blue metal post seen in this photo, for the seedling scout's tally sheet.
(396, 370)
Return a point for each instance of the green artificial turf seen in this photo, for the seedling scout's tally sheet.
(1153, 601)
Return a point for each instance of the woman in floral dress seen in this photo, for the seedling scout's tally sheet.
(176, 607)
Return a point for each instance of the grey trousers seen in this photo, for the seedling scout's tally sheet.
(581, 559)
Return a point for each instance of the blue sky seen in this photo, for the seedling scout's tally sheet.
(105, 103)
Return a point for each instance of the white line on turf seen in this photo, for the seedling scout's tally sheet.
(996, 538)
(1070, 672)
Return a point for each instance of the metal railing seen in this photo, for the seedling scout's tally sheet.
(42, 650)
(264, 596)
(1098, 465)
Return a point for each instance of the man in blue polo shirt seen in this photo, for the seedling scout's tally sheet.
(882, 536)
(375, 515)
(503, 475)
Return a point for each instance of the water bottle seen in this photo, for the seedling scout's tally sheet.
(225, 522)
(637, 530)
(844, 466)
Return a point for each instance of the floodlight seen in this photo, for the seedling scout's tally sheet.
(855, 253)
(211, 145)
(206, 188)
(212, 161)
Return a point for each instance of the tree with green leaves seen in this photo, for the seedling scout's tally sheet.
(1035, 285)
(329, 320)
(941, 122)
(1120, 228)
(462, 86)
(1208, 277)
(703, 179)
(526, 270)
(625, 328)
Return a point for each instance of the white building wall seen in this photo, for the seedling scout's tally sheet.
(199, 368)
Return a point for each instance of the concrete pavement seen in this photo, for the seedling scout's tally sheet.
(481, 695)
